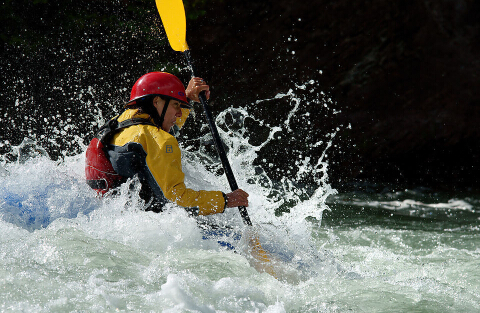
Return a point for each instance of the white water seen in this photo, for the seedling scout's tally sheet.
(63, 249)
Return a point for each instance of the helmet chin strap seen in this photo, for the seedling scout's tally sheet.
(162, 116)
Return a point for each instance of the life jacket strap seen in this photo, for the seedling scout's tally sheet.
(99, 171)
(97, 183)
(106, 132)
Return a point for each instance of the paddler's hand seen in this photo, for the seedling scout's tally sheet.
(237, 198)
(195, 86)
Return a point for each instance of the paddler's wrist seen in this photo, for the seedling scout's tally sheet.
(226, 200)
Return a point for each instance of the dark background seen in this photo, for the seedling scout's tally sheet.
(402, 76)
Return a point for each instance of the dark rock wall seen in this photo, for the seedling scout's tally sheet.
(405, 74)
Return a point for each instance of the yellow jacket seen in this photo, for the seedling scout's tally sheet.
(156, 156)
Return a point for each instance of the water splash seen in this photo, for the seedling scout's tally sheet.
(39, 203)
(283, 210)
(35, 190)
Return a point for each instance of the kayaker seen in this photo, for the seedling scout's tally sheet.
(138, 142)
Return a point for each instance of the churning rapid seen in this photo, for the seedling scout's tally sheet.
(375, 249)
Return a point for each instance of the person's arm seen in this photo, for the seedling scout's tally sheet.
(164, 163)
(237, 198)
(195, 86)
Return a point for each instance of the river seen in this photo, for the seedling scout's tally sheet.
(373, 248)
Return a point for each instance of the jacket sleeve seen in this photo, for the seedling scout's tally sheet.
(164, 162)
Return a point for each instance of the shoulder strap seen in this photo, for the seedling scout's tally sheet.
(106, 132)
(134, 121)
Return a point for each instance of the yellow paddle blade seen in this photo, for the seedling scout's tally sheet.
(172, 14)
(265, 262)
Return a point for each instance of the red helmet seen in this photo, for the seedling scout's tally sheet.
(159, 83)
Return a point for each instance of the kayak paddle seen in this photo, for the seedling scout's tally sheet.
(173, 18)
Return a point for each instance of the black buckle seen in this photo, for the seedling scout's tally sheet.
(97, 183)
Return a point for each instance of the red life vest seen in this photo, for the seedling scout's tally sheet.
(99, 171)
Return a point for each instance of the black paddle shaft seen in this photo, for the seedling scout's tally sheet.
(218, 143)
